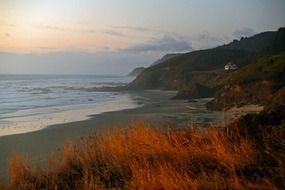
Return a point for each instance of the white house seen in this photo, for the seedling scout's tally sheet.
(230, 66)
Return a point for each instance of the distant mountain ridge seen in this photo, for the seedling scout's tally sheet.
(254, 43)
(201, 73)
(184, 70)
(165, 57)
(136, 71)
(278, 44)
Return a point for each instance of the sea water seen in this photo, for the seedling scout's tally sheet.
(33, 102)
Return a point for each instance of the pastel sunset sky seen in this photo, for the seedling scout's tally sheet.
(114, 36)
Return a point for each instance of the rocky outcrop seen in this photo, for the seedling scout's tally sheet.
(259, 93)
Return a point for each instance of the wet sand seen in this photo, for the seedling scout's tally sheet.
(73, 114)
(158, 109)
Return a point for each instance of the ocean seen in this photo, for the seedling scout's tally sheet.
(33, 102)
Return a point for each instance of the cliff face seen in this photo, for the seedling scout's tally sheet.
(236, 95)
(257, 83)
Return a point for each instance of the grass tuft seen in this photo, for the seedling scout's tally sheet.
(144, 157)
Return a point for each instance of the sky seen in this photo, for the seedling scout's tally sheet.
(115, 36)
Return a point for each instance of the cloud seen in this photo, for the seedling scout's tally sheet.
(208, 40)
(46, 48)
(207, 37)
(165, 44)
(110, 63)
(7, 35)
(81, 62)
(135, 28)
(65, 29)
(113, 33)
(109, 32)
(53, 28)
(12, 25)
(143, 29)
(244, 32)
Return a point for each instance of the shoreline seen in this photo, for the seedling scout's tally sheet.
(158, 109)
(39, 145)
(76, 113)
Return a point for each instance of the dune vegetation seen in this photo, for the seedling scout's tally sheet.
(146, 157)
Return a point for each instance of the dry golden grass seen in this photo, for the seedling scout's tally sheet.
(144, 157)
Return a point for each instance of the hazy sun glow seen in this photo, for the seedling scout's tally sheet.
(45, 26)
(114, 36)
(97, 25)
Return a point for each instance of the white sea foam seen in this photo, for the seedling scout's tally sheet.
(32, 102)
(19, 125)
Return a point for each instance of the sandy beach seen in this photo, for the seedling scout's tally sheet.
(75, 113)
(158, 109)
